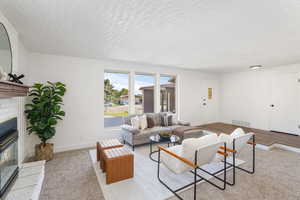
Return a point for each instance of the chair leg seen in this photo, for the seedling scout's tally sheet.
(253, 159)
(158, 176)
(158, 164)
(253, 154)
(233, 165)
(224, 170)
(195, 183)
(195, 176)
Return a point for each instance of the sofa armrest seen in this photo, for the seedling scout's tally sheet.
(130, 129)
(183, 123)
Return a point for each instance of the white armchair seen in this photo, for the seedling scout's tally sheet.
(235, 143)
(190, 156)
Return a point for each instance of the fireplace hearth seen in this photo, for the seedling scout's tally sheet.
(8, 154)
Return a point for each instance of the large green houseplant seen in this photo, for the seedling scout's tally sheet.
(43, 113)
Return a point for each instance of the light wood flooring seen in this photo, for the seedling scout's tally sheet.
(262, 137)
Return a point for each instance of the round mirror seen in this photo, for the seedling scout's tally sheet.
(5, 51)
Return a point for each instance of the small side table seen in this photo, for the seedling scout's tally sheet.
(119, 164)
(106, 144)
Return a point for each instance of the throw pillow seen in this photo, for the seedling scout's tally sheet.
(164, 119)
(170, 120)
(135, 122)
(143, 122)
(150, 122)
(157, 119)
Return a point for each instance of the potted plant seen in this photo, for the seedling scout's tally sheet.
(43, 113)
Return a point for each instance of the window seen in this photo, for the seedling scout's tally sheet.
(116, 98)
(167, 93)
(119, 101)
(144, 93)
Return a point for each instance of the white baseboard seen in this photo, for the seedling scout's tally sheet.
(74, 147)
(287, 148)
(279, 146)
(263, 147)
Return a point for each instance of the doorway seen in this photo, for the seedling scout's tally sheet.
(284, 104)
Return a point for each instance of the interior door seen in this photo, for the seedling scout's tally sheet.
(284, 105)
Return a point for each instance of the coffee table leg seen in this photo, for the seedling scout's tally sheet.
(151, 147)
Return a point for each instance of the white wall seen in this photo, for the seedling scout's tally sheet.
(15, 106)
(4, 59)
(245, 96)
(83, 124)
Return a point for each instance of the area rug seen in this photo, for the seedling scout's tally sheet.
(145, 185)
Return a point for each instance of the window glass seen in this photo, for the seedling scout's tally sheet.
(116, 98)
(167, 93)
(144, 93)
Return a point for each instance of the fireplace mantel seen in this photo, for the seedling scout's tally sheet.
(9, 89)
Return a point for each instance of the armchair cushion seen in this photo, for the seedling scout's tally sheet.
(241, 138)
(173, 163)
(191, 145)
(207, 147)
(237, 133)
(225, 138)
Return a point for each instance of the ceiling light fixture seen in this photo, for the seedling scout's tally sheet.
(254, 67)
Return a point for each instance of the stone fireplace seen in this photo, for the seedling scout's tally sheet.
(8, 154)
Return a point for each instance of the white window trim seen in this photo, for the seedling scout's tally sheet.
(131, 85)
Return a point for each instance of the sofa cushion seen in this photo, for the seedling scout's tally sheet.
(156, 130)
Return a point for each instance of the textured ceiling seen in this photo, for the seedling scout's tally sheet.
(211, 35)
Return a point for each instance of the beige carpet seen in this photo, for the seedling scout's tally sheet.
(70, 176)
(145, 181)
